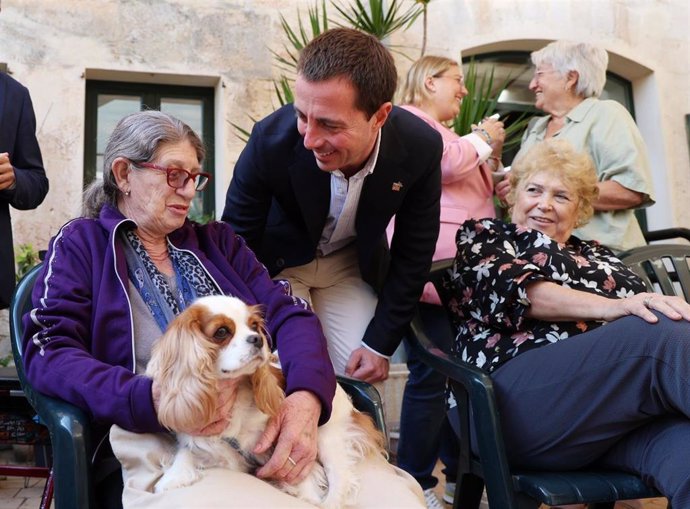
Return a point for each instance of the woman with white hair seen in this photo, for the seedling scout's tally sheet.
(568, 79)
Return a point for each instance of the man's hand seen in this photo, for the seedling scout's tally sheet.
(366, 365)
(295, 429)
(7, 178)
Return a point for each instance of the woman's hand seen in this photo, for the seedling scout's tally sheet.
(642, 305)
(497, 134)
(295, 429)
(502, 188)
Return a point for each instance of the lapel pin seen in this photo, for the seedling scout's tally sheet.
(397, 186)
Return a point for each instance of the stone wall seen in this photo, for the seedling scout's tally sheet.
(53, 46)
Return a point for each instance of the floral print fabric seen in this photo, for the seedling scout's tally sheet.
(488, 298)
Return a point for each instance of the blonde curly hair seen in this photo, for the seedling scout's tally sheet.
(560, 159)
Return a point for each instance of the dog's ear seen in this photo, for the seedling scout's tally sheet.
(268, 392)
(183, 365)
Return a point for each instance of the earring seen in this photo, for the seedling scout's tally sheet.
(128, 192)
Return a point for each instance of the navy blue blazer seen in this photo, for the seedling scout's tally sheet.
(18, 138)
(278, 200)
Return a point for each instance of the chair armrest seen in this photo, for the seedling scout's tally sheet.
(667, 233)
(365, 398)
(478, 386)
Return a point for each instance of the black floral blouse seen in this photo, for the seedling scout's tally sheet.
(494, 264)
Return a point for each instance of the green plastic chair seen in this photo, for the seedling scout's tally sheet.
(663, 267)
(507, 488)
(69, 426)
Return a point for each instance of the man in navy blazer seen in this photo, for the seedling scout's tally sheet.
(319, 181)
(23, 181)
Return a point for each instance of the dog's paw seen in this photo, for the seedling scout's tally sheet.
(313, 489)
(176, 479)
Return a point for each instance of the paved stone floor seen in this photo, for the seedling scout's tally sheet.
(24, 493)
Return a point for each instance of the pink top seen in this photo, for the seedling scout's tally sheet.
(467, 188)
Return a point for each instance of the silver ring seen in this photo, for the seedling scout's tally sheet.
(292, 461)
(647, 302)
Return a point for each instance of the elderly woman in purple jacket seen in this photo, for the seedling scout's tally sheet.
(89, 335)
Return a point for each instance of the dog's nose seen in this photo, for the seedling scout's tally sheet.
(255, 340)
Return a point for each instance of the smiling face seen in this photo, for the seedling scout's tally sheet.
(446, 92)
(340, 135)
(157, 208)
(549, 88)
(545, 203)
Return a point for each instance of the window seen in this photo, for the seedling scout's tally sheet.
(108, 101)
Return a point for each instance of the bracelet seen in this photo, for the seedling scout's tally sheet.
(484, 133)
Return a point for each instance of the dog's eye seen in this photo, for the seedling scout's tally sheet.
(222, 333)
(254, 326)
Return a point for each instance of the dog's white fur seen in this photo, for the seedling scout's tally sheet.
(221, 337)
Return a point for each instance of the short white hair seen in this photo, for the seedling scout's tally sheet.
(588, 60)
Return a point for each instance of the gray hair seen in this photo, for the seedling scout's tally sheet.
(588, 60)
(136, 137)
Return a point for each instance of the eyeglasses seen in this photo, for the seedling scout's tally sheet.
(459, 79)
(178, 177)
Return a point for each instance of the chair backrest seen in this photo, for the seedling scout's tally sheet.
(21, 304)
(663, 267)
(68, 425)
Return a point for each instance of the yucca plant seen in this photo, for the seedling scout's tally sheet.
(298, 38)
(378, 20)
(425, 7)
(481, 102)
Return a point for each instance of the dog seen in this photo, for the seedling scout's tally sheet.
(220, 337)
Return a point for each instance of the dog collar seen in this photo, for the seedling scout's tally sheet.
(252, 461)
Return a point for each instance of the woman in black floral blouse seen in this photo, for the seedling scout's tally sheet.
(588, 367)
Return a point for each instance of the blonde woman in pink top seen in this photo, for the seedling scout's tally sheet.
(434, 90)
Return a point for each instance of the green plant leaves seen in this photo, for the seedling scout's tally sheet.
(378, 20)
(481, 102)
(25, 258)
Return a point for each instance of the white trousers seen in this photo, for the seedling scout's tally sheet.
(382, 485)
(344, 303)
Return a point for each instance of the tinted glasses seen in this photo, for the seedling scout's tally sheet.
(178, 177)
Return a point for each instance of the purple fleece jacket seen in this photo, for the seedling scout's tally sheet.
(79, 343)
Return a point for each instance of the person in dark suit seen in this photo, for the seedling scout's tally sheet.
(319, 181)
(23, 181)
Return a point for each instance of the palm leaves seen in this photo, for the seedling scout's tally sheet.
(376, 19)
(298, 38)
(481, 102)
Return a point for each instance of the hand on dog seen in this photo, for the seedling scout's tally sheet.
(228, 392)
(364, 364)
(295, 429)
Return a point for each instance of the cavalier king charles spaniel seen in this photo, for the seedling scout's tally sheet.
(220, 337)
